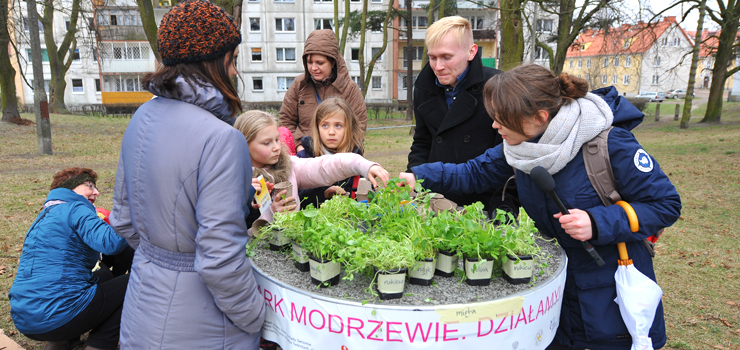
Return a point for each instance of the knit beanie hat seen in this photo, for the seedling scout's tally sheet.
(194, 31)
(75, 181)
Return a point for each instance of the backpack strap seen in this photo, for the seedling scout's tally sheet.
(599, 168)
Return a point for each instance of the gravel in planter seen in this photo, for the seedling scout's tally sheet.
(448, 290)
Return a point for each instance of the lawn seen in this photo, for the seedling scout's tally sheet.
(697, 261)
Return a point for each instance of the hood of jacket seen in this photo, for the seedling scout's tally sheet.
(198, 93)
(67, 195)
(323, 42)
(626, 115)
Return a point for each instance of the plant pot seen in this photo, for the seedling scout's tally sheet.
(446, 263)
(278, 241)
(391, 283)
(324, 273)
(301, 258)
(518, 271)
(422, 272)
(482, 274)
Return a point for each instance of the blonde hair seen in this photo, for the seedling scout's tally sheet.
(460, 28)
(352, 135)
(252, 122)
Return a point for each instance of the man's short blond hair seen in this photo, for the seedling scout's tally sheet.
(460, 28)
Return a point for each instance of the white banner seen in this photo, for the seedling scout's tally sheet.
(299, 320)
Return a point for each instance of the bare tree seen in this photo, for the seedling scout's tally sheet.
(7, 80)
(728, 18)
(60, 57)
(694, 62)
(146, 11)
(512, 33)
(41, 107)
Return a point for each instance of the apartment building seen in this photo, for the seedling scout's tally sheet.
(633, 58)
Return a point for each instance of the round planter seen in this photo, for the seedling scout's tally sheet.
(390, 283)
(278, 241)
(422, 272)
(324, 273)
(446, 263)
(518, 271)
(300, 257)
(482, 274)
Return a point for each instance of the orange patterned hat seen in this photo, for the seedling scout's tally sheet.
(194, 31)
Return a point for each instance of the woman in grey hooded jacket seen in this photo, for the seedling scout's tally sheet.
(181, 195)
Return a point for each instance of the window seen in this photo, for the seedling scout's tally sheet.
(417, 22)
(377, 1)
(377, 83)
(355, 54)
(603, 79)
(95, 54)
(117, 83)
(676, 42)
(664, 42)
(257, 84)
(588, 63)
(656, 79)
(320, 1)
(627, 61)
(606, 62)
(97, 86)
(126, 50)
(254, 24)
(356, 80)
(75, 55)
(256, 54)
(571, 63)
(323, 23)
(284, 0)
(417, 52)
(626, 79)
(113, 20)
(46, 85)
(540, 53)
(284, 83)
(588, 78)
(476, 22)
(285, 24)
(656, 62)
(626, 43)
(285, 54)
(616, 61)
(375, 51)
(26, 25)
(66, 23)
(544, 25)
(615, 79)
(580, 62)
(77, 86)
(44, 55)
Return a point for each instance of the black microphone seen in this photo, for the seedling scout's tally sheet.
(545, 183)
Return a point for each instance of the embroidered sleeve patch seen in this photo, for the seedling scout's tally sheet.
(643, 162)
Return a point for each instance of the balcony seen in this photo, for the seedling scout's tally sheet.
(121, 33)
(488, 34)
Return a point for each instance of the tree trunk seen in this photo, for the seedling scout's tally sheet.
(684, 124)
(336, 19)
(361, 54)
(57, 54)
(146, 11)
(7, 83)
(380, 52)
(41, 107)
(512, 34)
(238, 13)
(430, 15)
(410, 65)
(345, 27)
(719, 71)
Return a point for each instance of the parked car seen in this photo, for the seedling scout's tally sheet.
(652, 96)
(677, 93)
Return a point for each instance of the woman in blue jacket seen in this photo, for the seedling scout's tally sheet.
(545, 120)
(55, 296)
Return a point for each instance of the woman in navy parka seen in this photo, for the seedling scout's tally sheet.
(545, 120)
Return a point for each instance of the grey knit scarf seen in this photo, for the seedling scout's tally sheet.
(575, 124)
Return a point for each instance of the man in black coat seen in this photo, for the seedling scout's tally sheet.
(452, 125)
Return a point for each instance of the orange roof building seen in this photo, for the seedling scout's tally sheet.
(633, 58)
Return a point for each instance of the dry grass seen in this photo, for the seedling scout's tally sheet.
(698, 258)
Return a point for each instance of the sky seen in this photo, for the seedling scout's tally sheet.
(691, 20)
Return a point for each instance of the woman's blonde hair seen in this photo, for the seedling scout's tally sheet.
(460, 28)
(353, 132)
(249, 124)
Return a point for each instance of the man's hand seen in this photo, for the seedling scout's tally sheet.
(409, 179)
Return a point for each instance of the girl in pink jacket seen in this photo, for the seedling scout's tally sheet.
(270, 159)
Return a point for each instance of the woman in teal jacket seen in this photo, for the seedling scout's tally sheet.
(55, 296)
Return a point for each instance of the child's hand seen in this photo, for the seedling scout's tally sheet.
(577, 224)
(409, 179)
(282, 203)
(257, 186)
(331, 191)
(380, 173)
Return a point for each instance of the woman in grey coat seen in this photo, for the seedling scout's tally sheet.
(181, 195)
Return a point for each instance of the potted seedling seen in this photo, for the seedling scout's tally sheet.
(391, 260)
(327, 241)
(447, 233)
(480, 245)
(522, 252)
(423, 240)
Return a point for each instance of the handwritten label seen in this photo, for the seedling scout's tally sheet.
(492, 310)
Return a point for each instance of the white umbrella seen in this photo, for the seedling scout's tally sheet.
(637, 295)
